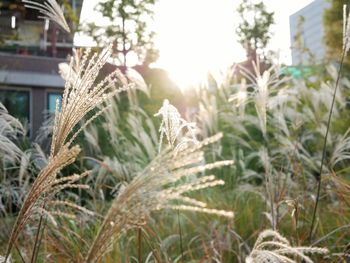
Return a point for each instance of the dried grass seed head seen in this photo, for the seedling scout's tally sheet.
(346, 29)
(158, 186)
(82, 95)
(50, 10)
(177, 131)
(42, 187)
(270, 246)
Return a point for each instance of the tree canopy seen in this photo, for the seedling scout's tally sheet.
(254, 29)
(126, 26)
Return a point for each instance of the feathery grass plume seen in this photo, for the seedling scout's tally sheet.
(346, 30)
(262, 86)
(240, 98)
(43, 186)
(157, 187)
(173, 126)
(15, 182)
(271, 247)
(14, 162)
(208, 112)
(82, 94)
(261, 96)
(50, 10)
(10, 129)
(346, 46)
(59, 208)
(341, 151)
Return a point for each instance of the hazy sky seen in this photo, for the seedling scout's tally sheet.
(195, 36)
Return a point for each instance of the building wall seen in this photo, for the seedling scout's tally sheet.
(30, 52)
(38, 108)
(38, 76)
(312, 32)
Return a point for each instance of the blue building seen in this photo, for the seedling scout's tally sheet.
(311, 32)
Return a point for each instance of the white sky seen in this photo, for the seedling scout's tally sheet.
(197, 36)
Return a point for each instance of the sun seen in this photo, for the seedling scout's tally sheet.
(196, 37)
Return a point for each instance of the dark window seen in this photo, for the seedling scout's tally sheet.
(17, 103)
(51, 101)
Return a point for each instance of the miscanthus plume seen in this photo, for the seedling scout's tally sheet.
(50, 10)
(177, 131)
(271, 247)
(81, 95)
(161, 185)
(10, 129)
(346, 29)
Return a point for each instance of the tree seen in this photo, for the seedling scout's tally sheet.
(126, 27)
(253, 31)
(333, 30)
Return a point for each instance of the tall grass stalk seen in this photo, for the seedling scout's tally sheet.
(179, 133)
(37, 242)
(81, 95)
(158, 186)
(346, 47)
(319, 176)
(180, 234)
(139, 244)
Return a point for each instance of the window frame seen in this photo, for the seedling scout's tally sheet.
(28, 90)
(48, 93)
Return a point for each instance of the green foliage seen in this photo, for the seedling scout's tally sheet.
(273, 129)
(71, 15)
(254, 29)
(333, 28)
(127, 28)
(288, 153)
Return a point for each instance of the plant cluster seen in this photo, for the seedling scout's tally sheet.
(97, 196)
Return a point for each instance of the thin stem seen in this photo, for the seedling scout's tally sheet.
(180, 233)
(40, 239)
(15, 245)
(178, 212)
(324, 147)
(270, 182)
(36, 239)
(139, 240)
(36, 245)
(19, 253)
(154, 251)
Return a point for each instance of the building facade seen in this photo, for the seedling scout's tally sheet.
(307, 25)
(29, 87)
(30, 52)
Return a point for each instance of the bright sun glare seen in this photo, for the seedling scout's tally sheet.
(195, 37)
